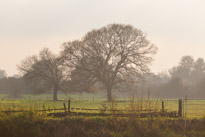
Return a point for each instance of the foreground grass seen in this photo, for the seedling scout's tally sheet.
(29, 124)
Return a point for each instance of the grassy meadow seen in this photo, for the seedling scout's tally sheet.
(195, 108)
(38, 124)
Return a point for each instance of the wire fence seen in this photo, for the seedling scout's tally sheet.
(193, 108)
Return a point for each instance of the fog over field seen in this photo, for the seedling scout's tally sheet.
(102, 68)
(26, 26)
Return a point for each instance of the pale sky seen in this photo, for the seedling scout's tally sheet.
(176, 27)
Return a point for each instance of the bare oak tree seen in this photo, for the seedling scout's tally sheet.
(44, 72)
(110, 53)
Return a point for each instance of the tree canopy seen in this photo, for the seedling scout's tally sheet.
(110, 53)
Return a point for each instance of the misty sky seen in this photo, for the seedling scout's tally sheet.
(177, 27)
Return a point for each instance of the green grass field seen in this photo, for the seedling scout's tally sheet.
(27, 102)
(195, 108)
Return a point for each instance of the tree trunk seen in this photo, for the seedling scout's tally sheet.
(55, 90)
(109, 94)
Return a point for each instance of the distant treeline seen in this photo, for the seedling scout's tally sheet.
(12, 86)
(187, 78)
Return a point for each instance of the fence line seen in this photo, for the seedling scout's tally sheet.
(142, 112)
(195, 108)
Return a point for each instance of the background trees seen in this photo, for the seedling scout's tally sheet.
(113, 58)
(12, 86)
(80, 81)
(110, 53)
(188, 74)
(184, 69)
(2, 73)
(189, 70)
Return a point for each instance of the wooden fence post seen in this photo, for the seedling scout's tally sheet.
(180, 108)
(65, 108)
(69, 106)
(162, 106)
(150, 121)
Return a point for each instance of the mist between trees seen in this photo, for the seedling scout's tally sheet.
(187, 78)
(114, 58)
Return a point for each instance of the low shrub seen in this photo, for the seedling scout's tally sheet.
(25, 124)
(28, 124)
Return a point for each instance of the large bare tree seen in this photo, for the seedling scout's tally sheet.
(44, 72)
(111, 53)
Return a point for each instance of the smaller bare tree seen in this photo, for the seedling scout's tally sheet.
(44, 72)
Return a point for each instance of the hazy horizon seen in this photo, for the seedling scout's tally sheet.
(175, 27)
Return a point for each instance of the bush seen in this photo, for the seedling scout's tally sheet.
(28, 124)
(20, 125)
